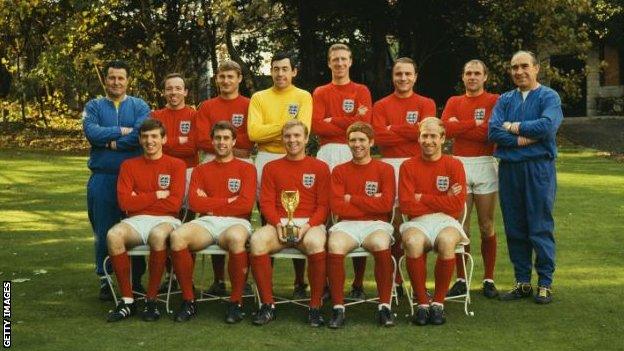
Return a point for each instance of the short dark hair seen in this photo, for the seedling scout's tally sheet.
(174, 75)
(223, 125)
(151, 124)
(363, 127)
(290, 55)
(406, 60)
(119, 64)
(534, 60)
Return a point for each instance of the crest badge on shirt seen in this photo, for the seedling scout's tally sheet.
(237, 119)
(164, 180)
(234, 185)
(185, 127)
(479, 114)
(411, 117)
(348, 105)
(370, 188)
(442, 183)
(293, 110)
(308, 180)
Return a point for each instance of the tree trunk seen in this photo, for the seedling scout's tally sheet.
(248, 76)
(309, 73)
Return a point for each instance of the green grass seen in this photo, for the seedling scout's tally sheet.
(44, 226)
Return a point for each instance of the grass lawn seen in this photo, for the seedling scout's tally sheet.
(46, 238)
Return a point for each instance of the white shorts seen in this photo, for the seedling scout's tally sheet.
(334, 154)
(359, 230)
(432, 224)
(143, 224)
(189, 171)
(481, 174)
(216, 225)
(396, 164)
(262, 158)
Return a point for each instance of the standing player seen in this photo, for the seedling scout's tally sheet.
(111, 126)
(228, 106)
(310, 177)
(466, 120)
(224, 190)
(362, 196)
(524, 126)
(336, 106)
(432, 192)
(395, 119)
(150, 190)
(269, 110)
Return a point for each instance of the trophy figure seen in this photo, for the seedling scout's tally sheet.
(290, 201)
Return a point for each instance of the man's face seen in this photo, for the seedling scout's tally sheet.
(175, 92)
(228, 82)
(360, 145)
(282, 73)
(223, 142)
(431, 141)
(295, 140)
(474, 77)
(523, 71)
(116, 82)
(403, 77)
(152, 142)
(339, 62)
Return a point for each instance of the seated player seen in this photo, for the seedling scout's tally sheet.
(150, 190)
(224, 191)
(432, 192)
(362, 196)
(310, 177)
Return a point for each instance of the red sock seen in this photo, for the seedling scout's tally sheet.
(317, 268)
(443, 275)
(397, 253)
(359, 268)
(299, 266)
(121, 266)
(183, 264)
(488, 251)
(383, 274)
(263, 274)
(218, 267)
(336, 276)
(237, 269)
(458, 263)
(417, 270)
(156, 266)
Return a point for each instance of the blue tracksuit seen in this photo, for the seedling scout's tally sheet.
(527, 178)
(101, 124)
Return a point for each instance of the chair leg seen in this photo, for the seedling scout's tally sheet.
(109, 279)
(467, 300)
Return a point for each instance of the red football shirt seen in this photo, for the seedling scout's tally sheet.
(179, 123)
(219, 109)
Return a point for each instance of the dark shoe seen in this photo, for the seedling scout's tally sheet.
(437, 316)
(337, 320)
(400, 291)
(489, 290)
(264, 315)
(217, 289)
(543, 295)
(357, 293)
(300, 293)
(150, 311)
(138, 291)
(122, 311)
(459, 288)
(106, 293)
(247, 290)
(421, 317)
(187, 311)
(234, 313)
(315, 319)
(386, 317)
(521, 290)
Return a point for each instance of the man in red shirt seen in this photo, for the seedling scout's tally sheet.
(179, 121)
(432, 192)
(310, 178)
(336, 106)
(362, 197)
(224, 190)
(466, 120)
(150, 191)
(228, 106)
(395, 120)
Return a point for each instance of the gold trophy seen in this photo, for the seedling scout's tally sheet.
(290, 201)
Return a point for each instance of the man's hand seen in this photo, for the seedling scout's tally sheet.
(182, 140)
(454, 190)
(417, 197)
(281, 233)
(362, 110)
(241, 153)
(201, 193)
(347, 198)
(327, 120)
(479, 122)
(513, 128)
(133, 194)
(162, 194)
(125, 130)
(524, 141)
(232, 199)
(453, 119)
(302, 232)
(378, 195)
(113, 145)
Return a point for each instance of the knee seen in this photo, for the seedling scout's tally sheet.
(177, 240)
(236, 240)
(258, 245)
(314, 243)
(378, 243)
(157, 239)
(446, 244)
(336, 247)
(486, 227)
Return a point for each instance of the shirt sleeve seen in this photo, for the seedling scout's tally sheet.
(383, 136)
(268, 207)
(449, 204)
(246, 199)
(339, 206)
(173, 202)
(202, 204)
(125, 187)
(96, 134)
(383, 203)
(547, 124)
(322, 198)
(131, 141)
(496, 132)
(319, 113)
(259, 131)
